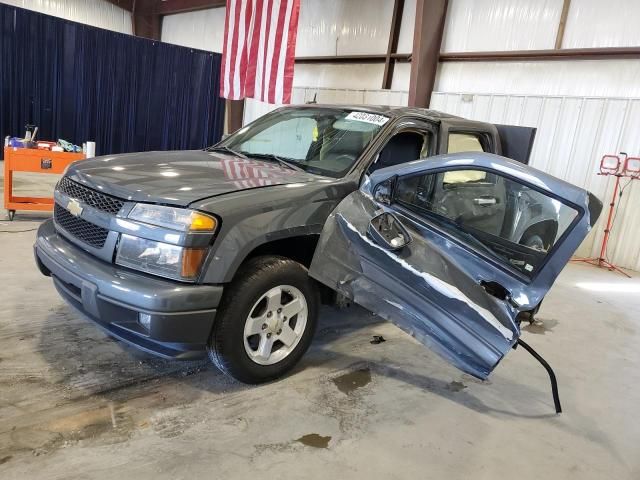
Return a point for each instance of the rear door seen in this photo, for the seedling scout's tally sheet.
(435, 247)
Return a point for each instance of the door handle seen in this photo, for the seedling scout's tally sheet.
(496, 290)
(388, 232)
(483, 201)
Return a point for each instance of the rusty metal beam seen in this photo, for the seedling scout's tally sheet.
(427, 39)
(609, 53)
(562, 24)
(147, 26)
(394, 35)
(398, 57)
(235, 115)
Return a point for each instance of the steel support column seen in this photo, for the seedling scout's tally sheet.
(427, 39)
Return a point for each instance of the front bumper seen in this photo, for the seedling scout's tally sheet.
(181, 315)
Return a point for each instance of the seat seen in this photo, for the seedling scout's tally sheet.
(402, 148)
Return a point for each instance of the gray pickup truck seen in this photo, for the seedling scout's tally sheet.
(229, 251)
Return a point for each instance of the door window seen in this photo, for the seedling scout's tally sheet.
(495, 215)
(464, 142)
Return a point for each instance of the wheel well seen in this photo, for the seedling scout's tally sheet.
(299, 248)
(547, 229)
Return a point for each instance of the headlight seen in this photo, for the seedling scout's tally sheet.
(174, 218)
(171, 261)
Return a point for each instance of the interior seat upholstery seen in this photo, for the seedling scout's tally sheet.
(402, 148)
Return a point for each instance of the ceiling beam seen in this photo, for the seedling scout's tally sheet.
(606, 53)
(427, 40)
(381, 58)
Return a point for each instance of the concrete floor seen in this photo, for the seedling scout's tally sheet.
(75, 404)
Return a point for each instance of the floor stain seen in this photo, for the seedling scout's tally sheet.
(9, 457)
(314, 440)
(351, 381)
(540, 327)
(456, 386)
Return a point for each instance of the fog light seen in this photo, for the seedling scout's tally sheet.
(145, 320)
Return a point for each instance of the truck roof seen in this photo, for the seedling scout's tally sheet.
(390, 111)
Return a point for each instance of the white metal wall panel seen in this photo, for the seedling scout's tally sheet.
(343, 76)
(97, 13)
(597, 23)
(203, 29)
(405, 39)
(488, 25)
(573, 134)
(343, 27)
(586, 78)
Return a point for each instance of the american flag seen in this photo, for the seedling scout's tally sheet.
(259, 50)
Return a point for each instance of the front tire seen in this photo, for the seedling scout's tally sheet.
(266, 320)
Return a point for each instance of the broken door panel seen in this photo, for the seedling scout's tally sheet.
(401, 286)
(450, 297)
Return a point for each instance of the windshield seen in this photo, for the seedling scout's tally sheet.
(325, 141)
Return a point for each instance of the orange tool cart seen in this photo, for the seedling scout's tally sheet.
(37, 161)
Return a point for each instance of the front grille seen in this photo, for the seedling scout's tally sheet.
(81, 229)
(94, 199)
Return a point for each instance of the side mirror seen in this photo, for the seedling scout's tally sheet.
(384, 191)
(387, 231)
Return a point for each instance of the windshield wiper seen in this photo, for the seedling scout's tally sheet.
(224, 148)
(281, 161)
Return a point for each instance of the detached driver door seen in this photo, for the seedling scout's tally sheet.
(441, 248)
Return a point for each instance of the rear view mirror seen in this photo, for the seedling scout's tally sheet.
(387, 231)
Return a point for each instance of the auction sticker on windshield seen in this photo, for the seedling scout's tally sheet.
(368, 118)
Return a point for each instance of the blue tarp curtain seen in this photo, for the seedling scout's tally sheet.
(82, 83)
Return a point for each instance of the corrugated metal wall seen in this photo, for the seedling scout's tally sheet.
(98, 13)
(203, 29)
(487, 25)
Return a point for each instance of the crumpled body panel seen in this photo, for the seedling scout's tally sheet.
(466, 326)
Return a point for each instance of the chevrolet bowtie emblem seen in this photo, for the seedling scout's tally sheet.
(74, 208)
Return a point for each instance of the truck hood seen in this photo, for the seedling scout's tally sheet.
(180, 177)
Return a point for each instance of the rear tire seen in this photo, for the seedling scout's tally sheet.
(253, 340)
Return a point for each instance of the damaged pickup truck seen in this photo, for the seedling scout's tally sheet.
(229, 251)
